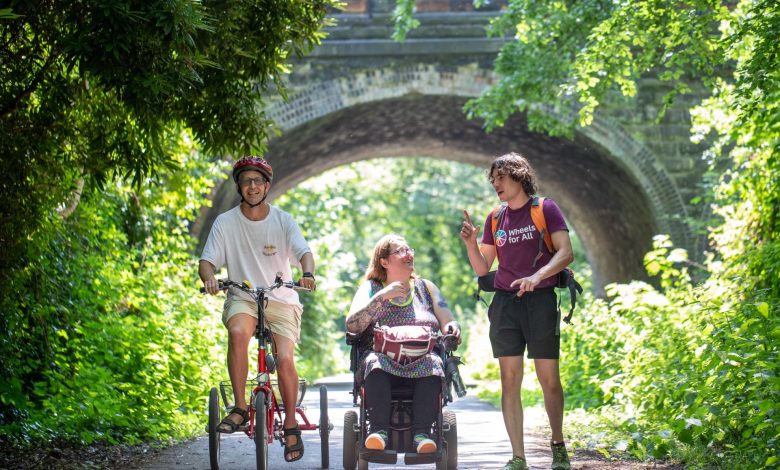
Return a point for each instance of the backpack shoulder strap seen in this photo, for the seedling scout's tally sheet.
(537, 215)
(566, 280)
(495, 219)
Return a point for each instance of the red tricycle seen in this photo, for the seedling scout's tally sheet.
(265, 408)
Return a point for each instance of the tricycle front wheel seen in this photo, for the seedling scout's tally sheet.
(214, 435)
(261, 431)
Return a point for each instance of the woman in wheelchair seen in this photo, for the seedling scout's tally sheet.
(393, 295)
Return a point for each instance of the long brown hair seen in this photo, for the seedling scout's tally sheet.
(377, 272)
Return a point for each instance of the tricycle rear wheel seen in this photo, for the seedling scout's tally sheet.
(324, 427)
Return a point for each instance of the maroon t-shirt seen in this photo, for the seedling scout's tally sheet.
(517, 243)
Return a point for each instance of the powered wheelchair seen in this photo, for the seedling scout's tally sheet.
(400, 439)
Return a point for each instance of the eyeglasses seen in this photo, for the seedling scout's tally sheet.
(403, 251)
(247, 182)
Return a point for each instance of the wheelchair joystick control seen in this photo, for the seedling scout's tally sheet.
(454, 373)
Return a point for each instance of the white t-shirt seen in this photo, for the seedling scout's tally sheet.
(256, 250)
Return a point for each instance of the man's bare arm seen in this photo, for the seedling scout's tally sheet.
(206, 271)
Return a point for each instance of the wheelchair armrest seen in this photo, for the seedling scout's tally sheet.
(359, 342)
(363, 339)
(353, 338)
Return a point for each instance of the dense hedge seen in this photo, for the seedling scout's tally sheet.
(106, 337)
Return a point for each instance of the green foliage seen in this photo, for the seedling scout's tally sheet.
(694, 361)
(95, 90)
(568, 57)
(694, 367)
(536, 67)
(106, 338)
(405, 21)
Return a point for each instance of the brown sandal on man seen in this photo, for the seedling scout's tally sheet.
(228, 426)
(290, 449)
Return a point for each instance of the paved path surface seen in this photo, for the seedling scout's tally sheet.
(482, 440)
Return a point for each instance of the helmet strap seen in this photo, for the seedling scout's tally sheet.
(251, 206)
(254, 205)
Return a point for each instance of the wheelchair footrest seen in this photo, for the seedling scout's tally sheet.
(415, 459)
(379, 456)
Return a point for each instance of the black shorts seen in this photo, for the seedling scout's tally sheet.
(531, 319)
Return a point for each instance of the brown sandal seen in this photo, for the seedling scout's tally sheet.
(228, 426)
(292, 448)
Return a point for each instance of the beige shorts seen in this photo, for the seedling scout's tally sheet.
(282, 319)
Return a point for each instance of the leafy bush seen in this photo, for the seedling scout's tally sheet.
(691, 365)
(107, 338)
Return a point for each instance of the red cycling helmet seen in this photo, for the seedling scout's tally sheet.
(255, 163)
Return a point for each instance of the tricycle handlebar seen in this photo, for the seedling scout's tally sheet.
(244, 286)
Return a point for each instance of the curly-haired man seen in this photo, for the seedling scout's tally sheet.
(524, 310)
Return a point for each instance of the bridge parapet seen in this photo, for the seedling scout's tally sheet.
(372, 7)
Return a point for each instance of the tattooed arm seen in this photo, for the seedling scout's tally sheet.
(364, 308)
(442, 311)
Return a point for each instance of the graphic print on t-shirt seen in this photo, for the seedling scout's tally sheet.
(517, 235)
(500, 238)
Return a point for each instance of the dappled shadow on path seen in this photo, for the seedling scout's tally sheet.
(482, 443)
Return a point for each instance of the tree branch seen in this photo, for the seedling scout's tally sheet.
(11, 107)
(73, 200)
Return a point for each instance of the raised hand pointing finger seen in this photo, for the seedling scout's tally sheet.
(468, 232)
(466, 216)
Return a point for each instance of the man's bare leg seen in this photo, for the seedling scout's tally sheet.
(511, 403)
(288, 383)
(241, 328)
(548, 373)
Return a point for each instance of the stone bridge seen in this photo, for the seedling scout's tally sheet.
(361, 95)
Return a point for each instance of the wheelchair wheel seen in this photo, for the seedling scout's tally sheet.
(261, 432)
(214, 435)
(350, 440)
(451, 437)
(324, 427)
(441, 464)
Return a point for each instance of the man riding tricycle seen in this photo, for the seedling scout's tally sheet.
(257, 242)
